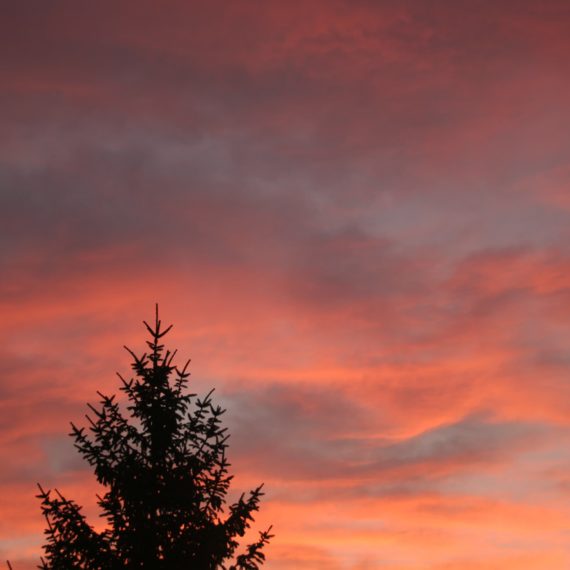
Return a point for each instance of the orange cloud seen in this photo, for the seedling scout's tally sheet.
(355, 215)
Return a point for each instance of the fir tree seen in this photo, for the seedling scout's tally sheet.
(162, 462)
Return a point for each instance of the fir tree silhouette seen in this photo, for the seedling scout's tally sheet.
(162, 462)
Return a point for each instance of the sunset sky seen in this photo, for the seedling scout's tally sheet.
(356, 213)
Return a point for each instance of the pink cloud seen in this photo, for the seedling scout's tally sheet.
(355, 215)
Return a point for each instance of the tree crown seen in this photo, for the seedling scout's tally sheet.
(162, 461)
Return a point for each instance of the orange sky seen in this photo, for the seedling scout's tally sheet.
(355, 213)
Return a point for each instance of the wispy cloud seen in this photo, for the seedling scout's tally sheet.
(355, 214)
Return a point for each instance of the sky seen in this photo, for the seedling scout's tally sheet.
(356, 215)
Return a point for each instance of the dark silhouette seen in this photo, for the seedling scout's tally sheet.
(162, 460)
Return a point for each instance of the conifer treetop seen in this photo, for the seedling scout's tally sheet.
(161, 457)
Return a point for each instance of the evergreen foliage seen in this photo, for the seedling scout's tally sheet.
(163, 464)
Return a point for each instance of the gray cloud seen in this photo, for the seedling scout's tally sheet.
(321, 436)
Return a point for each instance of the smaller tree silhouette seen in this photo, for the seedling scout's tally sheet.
(162, 461)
